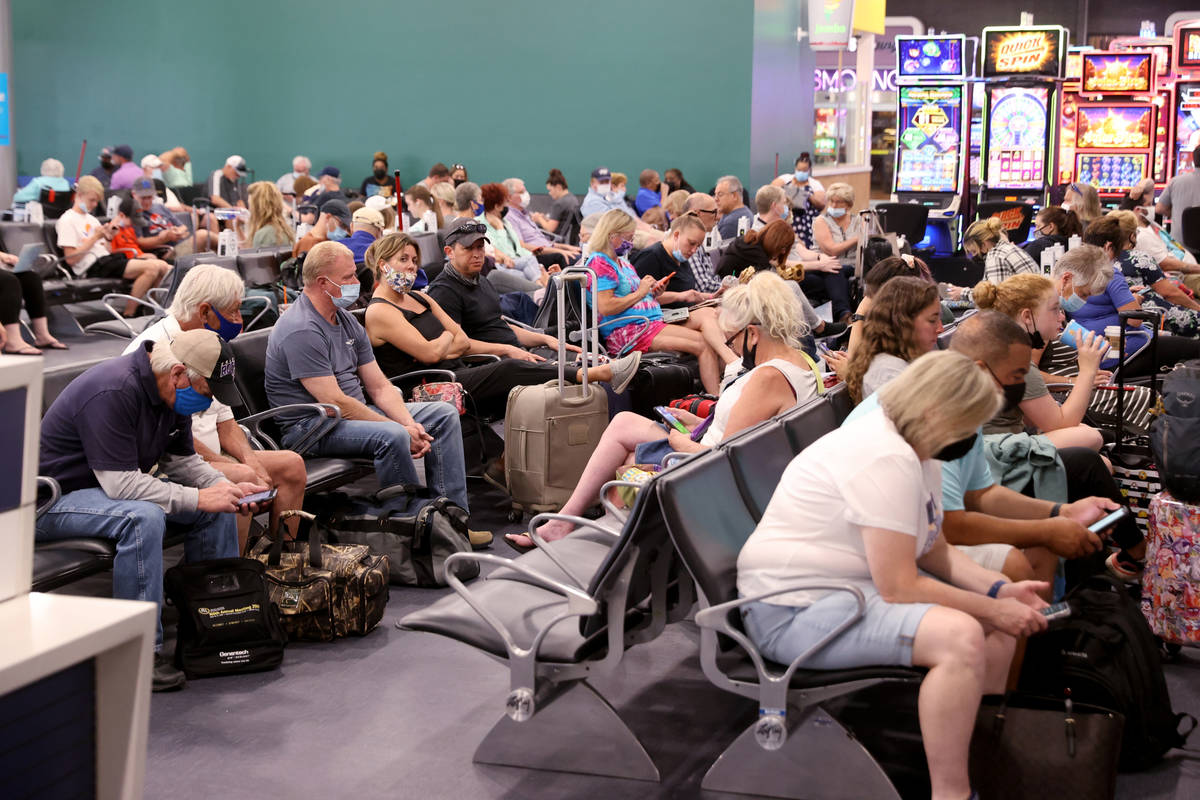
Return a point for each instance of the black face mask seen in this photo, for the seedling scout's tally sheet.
(1036, 340)
(458, 182)
(1014, 393)
(380, 174)
(956, 450)
(749, 354)
(504, 212)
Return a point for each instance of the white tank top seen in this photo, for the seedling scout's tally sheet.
(803, 381)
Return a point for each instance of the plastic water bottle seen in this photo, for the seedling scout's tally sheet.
(302, 229)
(430, 220)
(1074, 241)
(743, 225)
(1047, 260)
(113, 207)
(771, 729)
(227, 244)
(35, 213)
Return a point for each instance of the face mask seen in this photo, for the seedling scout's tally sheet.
(837, 213)
(749, 354)
(400, 282)
(336, 234)
(622, 248)
(226, 329)
(603, 189)
(477, 208)
(785, 213)
(81, 207)
(188, 401)
(1072, 303)
(1066, 206)
(956, 450)
(156, 174)
(458, 182)
(677, 254)
(380, 174)
(801, 175)
(1036, 340)
(617, 194)
(349, 294)
(504, 212)
(524, 199)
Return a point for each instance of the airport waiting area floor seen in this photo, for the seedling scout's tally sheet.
(399, 714)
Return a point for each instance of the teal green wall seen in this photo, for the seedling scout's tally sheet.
(626, 83)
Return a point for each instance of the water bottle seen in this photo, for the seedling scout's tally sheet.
(227, 244)
(430, 220)
(743, 225)
(19, 214)
(1047, 260)
(302, 229)
(1074, 241)
(114, 206)
(34, 212)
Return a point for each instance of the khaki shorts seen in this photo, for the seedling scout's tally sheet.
(988, 556)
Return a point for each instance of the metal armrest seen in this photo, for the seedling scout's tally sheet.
(671, 459)
(519, 324)
(158, 295)
(542, 543)
(112, 297)
(254, 423)
(253, 300)
(621, 514)
(55, 494)
(479, 358)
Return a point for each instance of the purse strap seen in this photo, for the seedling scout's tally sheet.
(315, 557)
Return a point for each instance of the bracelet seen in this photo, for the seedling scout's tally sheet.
(995, 590)
(1055, 509)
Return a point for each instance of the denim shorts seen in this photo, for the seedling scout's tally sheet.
(883, 636)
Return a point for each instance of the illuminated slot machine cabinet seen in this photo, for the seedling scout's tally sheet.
(1021, 68)
(1067, 111)
(931, 96)
(1163, 48)
(1116, 120)
(1186, 98)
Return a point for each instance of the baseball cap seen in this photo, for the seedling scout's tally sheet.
(368, 216)
(238, 163)
(152, 161)
(465, 231)
(339, 209)
(142, 187)
(332, 172)
(376, 201)
(210, 355)
(602, 174)
(124, 151)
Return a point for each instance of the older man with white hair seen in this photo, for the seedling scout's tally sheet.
(301, 166)
(210, 298)
(51, 177)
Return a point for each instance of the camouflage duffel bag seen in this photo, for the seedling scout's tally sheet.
(323, 591)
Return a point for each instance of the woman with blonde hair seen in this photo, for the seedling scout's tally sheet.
(676, 202)
(630, 317)
(420, 202)
(762, 320)
(863, 506)
(1084, 200)
(268, 227)
(902, 324)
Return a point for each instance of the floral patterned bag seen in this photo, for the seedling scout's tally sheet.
(440, 392)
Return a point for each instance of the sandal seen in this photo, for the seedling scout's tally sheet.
(53, 344)
(510, 540)
(26, 350)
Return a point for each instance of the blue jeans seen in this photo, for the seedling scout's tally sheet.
(387, 443)
(137, 527)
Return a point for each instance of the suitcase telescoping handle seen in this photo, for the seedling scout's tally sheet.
(315, 558)
(590, 341)
(1123, 317)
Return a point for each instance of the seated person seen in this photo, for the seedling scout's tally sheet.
(51, 177)
(108, 430)
(805, 194)
(333, 225)
(1033, 302)
(903, 324)
(704, 207)
(652, 192)
(84, 241)
(210, 298)
(15, 286)
(226, 189)
(837, 232)
(319, 353)
(411, 331)
(985, 242)
(458, 174)
(564, 206)
(630, 316)
(676, 203)
(887, 268)
(1169, 255)
(423, 211)
(607, 193)
(676, 182)
(177, 168)
(669, 261)
(443, 196)
(772, 376)
(1181, 313)
(549, 252)
(378, 182)
(862, 505)
(1054, 225)
(268, 225)
(158, 229)
(509, 253)
(366, 225)
(329, 187)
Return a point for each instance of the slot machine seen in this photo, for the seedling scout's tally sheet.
(1021, 68)
(1163, 48)
(1186, 97)
(1117, 121)
(1065, 170)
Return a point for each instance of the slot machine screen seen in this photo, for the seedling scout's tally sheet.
(1117, 172)
(1187, 124)
(1117, 73)
(930, 57)
(1189, 47)
(1119, 127)
(929, 141)
(1016, 134)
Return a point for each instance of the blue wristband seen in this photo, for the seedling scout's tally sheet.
(995, 590)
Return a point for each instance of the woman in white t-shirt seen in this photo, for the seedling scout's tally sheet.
(862, 507)
(765, 326)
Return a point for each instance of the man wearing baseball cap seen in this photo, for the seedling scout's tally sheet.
(367, 226)
(158, 229)
(103, 173)
(127, 171)
(225, 186)
(105, 434)
(333, 224)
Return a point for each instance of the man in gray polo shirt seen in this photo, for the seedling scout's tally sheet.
(1182, 192)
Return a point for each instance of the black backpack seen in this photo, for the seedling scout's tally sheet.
(1175, 432)
(1105, 655)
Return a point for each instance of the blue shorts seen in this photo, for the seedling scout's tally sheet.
(883, 636)
(652, 452)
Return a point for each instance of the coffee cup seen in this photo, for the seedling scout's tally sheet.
(1113, 334)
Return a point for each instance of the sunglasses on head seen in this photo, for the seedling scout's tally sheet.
(471, 227)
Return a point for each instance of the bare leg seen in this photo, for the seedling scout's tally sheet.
(146, 273)
(14, 343)
(288, 477)
(705, 321)
(1043, 565)
(1076, 436)
(682, 340)
(41, 332)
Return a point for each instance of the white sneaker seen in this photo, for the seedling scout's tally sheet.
(624, 369)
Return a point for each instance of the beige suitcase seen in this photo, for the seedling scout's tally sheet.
(550, 430)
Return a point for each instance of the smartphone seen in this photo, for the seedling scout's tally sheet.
(664, 281)
(1056, 611)
(670, 419)
(258, 497)
(824, 348)
(1104, 523)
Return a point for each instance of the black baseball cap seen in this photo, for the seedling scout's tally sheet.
(338, 209)
(601, 174)
(465, 231)
(210, 355)
(124, 151)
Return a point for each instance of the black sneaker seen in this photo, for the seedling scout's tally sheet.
(167, 677)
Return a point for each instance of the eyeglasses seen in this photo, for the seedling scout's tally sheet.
(470, 227)
(698, 211)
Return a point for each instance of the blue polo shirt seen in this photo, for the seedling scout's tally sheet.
(358, 243)
(646, 199)
(111, 418)
(967, 474)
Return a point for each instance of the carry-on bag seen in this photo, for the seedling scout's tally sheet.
(1033, 746)
(1175, 432)
(324, 590)
(1171, 580)
(550, 430)
(228, 623)
(414, 528)
(1134, 468)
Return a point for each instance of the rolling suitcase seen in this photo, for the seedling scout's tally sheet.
(550, 430)
(1133, 462)
(1171, 580)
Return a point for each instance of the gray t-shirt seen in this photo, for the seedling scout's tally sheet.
(1013, 421)
(1182, 192)
(562, 209)
(303, 344)
(883, 367)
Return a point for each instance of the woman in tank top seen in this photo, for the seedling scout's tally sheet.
(764, 326)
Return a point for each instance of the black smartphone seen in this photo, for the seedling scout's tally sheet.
(258, 497)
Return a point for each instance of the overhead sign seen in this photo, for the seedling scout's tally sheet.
(830, 23)
(1023, 51)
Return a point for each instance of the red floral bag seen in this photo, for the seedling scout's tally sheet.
(440, 392)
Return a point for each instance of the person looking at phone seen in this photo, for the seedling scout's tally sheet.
(903, 324)
(210, 298)
(85, 242)
(765, 375)
(704, 207)
(103, 436)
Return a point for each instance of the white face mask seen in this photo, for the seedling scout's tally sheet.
(524, 199)
(1066, 205)
(603, 188)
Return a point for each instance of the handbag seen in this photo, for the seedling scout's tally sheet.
(324, 590)
(228, 623)
(440, 392)
(1033, 746)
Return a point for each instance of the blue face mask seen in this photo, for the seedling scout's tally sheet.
(336, 234)
(226, 329)
(188, 401)
(623, 247)
(801, 175)
(477, 208)
(1072, 303)
(349, 294)
(677, 254)
(837, 212)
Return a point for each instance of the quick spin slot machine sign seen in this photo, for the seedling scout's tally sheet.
(1116, 120)
(1021, 66)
